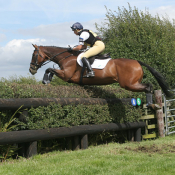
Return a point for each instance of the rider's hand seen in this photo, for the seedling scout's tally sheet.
(69, 49)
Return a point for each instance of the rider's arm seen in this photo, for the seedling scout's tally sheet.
(79, 47)
(82, 38)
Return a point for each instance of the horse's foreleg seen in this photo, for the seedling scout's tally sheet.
(49, 73)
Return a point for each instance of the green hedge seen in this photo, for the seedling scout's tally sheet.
(54, 115)
(69, 115)
(15, 90)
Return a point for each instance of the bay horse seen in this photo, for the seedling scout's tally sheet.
(127, 72)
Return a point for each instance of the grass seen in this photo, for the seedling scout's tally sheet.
(154, 157)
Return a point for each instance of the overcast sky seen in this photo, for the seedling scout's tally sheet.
(47, 22)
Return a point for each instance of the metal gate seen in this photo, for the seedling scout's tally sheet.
(169, 111)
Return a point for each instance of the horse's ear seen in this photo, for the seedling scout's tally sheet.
(35, 46)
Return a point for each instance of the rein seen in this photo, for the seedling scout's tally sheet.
(50, 59)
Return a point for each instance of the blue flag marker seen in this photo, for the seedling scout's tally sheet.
(133, 102)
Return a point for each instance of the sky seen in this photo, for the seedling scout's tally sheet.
(47, 23)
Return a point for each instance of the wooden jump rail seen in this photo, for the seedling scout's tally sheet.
(52, 133)
(36, 102)
(29, 138)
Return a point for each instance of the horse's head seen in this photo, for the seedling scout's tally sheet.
(44, 54)
(38, 58)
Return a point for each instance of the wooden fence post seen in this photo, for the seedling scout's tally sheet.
(26, 149)
(137, 135)
(159, 113)
(130, 135)
(68, 143)
(84, 141)
(76, 143)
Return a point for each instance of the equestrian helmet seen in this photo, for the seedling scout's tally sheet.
(76, 26)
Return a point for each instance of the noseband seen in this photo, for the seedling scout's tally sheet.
(35, 63)
(37, 66)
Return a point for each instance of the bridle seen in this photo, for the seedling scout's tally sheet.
(37, 66)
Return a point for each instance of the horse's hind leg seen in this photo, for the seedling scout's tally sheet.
(149, 96)
(138, 87)
(147, 88)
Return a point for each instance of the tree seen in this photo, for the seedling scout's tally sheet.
(137, 35)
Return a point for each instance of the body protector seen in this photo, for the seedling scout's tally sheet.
(92, 37)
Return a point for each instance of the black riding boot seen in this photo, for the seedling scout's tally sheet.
(90, 72)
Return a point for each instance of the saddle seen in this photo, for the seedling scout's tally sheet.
(91, 61)
(99, 56)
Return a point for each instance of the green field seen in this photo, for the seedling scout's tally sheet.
(155, 157)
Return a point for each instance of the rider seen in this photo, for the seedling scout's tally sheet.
(87, 38)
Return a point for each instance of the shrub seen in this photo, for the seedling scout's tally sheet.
(54, 115)
(137, 35)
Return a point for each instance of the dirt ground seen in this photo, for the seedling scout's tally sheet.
(160, 149)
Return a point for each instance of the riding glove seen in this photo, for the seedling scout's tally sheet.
(69, 49)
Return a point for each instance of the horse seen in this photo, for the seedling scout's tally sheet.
(127, 72)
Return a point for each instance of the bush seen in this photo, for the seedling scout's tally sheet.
(70, 115)
(58, 81)
(6, 124)
(17, 90)
(21, 80)
(137, 35)
(54, 115)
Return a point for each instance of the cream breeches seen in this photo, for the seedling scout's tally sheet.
(97, 48)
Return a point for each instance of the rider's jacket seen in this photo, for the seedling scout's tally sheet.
(91, 39)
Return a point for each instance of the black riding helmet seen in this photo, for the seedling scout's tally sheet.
(76, 26)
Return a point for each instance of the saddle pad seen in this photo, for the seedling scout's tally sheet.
(97, 64)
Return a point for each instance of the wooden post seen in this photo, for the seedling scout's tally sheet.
(68, 143)
(76, 143)
(159, 113)
(130, 135)
(84, 141)
(31, 150)
(137, 135)
(27, 149)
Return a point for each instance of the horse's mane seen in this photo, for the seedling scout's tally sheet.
(76, 53)
(56, 47)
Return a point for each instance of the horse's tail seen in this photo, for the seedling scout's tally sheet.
(160, 79)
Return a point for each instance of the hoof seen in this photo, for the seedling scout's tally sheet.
(46, 82)
(149, 99)
(51, 76)
(46, 79)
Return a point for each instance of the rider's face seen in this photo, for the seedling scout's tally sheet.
(76, 32)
